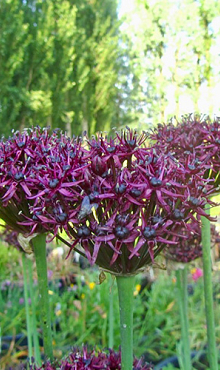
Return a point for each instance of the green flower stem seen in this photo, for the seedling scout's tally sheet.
(208, 292)
(126, 294)
(37, 355)
(28, 318)
(111, 316)
(181, 279)
(39, 247)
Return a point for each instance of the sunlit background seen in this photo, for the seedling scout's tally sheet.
(186, 48)
(91, 65)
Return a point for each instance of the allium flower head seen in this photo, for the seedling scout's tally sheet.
(11, 238)
(189, 245)
(136, 198)
(195, 142)
(40, 173)
(92, 360)
(118, 199)
(186, 136)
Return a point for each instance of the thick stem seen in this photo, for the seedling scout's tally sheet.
(37, 355)
(39, 247)
(181, 279)
(28, 318)
(111, 317)
(126, 294)
(208, 292)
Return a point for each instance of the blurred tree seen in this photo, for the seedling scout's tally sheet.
(175, 42)
(60, 62)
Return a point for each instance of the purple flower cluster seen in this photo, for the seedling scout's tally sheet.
(188, 248)
(39, 179)
(10, 237)
(118, 200)
(137, 198)
(91, 360)
(195, 142)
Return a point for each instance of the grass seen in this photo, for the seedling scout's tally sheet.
(80, 310)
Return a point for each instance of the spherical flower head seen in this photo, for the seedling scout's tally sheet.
(92, 360)
(136, 198)
(188, 244)
(185, 135)
(195, 142)
(10, 237)
(37, 170)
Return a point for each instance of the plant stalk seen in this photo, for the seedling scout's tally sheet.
(27, 311)
(181, 279)
(37, 355)
(208, 292)
(126, 294)
(39, 247)
(111, 316)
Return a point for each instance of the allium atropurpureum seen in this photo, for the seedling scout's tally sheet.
(40, 180)
(116, 198)
(10, 237)
(135, 199)
(189, 248)
(193, 141)
(91, 360)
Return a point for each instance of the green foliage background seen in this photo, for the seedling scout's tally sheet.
(74, 64)
(59, 64)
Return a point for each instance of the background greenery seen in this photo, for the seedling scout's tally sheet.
(80, 309)
(74, 64)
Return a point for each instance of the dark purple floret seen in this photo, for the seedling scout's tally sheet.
(149, 233)
(178, 215)
(111, 149)
(120, 189)
(135, 192)
(194, 201)
(19, 176)
(53, 183)
(62, 217)
(121, 232)
(155, 182)
(123, 219)
(83, 232)
(21, 144)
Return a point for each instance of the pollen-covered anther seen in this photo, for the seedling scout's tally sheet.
(122, 219)
(149, 232)
(135, 192)
(19, 176)
(83, 232)
(194, 201)
(178, 215)
(120, 189)
(53, 183)
(121, 232)
(61, 217)
(155, 181)
(111, 149)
